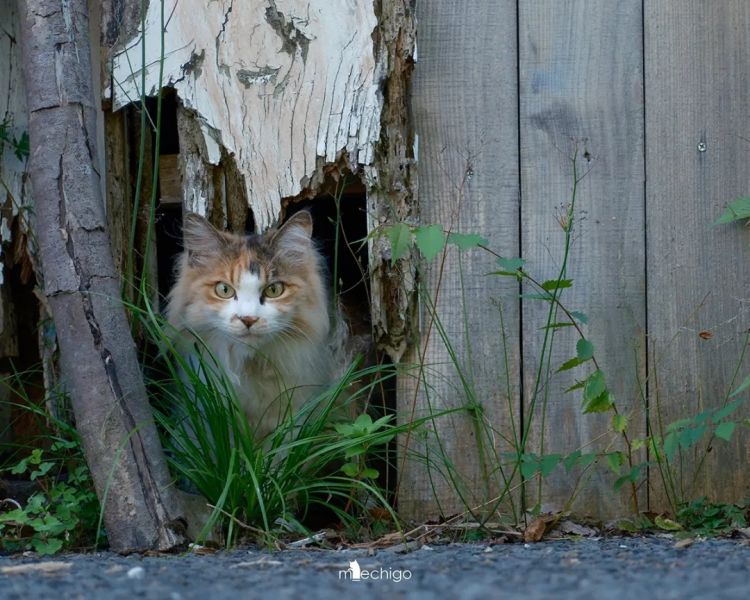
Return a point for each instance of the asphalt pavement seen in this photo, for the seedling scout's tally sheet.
(601, 569)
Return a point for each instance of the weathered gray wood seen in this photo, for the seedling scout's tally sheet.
(697, 82)
(465, 116)
(581, 89)
(98, 356)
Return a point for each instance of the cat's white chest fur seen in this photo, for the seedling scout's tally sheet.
(273, 383)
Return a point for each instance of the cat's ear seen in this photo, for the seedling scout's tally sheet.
(297, 231)
(201, 239)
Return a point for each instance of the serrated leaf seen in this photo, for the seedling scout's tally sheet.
(595, 386)
(466, 241)
(601, 403)
(736, 211)
(725, 430)
(666, 524)
(619, 423)
(584, 350)
(743, 386)
(430, 240)
(576, 386)
(557, 284)
(510, 264)
(615, 461)
(579, 316)
(570, 364)
(400, 238)
(46, 547)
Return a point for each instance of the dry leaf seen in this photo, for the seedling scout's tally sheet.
(705, 334)
(535, 531)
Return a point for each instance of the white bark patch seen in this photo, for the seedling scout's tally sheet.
(277, 83)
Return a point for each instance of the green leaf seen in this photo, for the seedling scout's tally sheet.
(400, 238)
(357, 450)
(548, 463)
(363, 423)
(49, 546)
(576, 386)
(736, 211)
(466, 241)
(570, 460)
(584, 350)
(545, 297)
(557, 284)
(42, 470)
(615, 460)
(344, 429)
(595, 386)
(602, 403)
(569, 364)
(724, 412)
(579, 316)
(587, 459)
(619, 423)
(631, 476)
(530, 464)
(17, 515)
(510, 264)
(691, 436)
(22, 148)
(350, 469)
(667, 524)
(725, 430)
(370, 473)
(430, 240)
(743, 386)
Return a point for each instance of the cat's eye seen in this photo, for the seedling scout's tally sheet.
(224, 290)
(274, 290)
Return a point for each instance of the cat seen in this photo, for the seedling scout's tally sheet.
(260, 304)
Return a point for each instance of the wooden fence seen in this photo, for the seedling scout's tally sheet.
(655, 96)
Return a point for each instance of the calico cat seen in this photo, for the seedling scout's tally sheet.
(260, 304)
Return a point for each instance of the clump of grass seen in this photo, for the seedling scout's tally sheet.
(315, 457)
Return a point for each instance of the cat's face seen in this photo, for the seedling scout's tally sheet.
(250, 288)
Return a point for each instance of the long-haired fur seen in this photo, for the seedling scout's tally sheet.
(277, 350)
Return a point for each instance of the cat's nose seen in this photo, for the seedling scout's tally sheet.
(248, 321)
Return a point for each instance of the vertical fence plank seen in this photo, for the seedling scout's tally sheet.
(581, 87)
(697, 154)
(464, 106)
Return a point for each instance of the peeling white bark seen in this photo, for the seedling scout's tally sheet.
(277, 83)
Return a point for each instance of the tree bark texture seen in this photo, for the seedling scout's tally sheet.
(98, 355)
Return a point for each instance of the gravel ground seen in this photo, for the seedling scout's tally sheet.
(627, 568)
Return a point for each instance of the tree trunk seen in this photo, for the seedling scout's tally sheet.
(98, 356)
